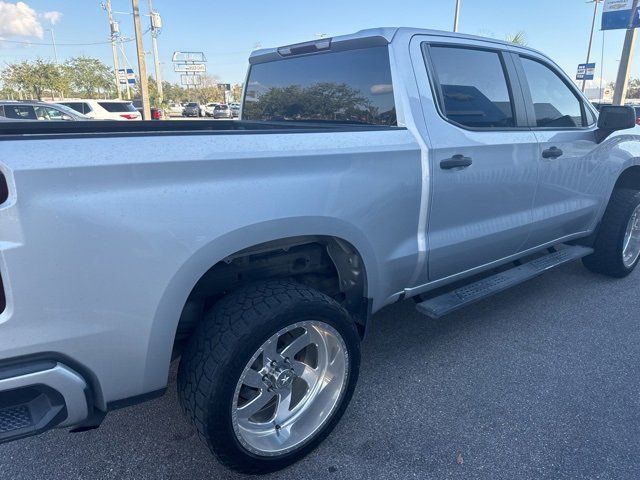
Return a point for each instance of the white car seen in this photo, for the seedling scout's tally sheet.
(105, 109)
(207, 110)
(174, 110)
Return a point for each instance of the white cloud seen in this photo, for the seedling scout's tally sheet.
(381, 88)
(19, 20)
(52, 17)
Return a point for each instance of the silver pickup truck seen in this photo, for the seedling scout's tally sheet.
(366, 169)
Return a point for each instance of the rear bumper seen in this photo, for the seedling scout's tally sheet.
(38, 396)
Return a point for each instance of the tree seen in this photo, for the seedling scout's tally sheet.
(236, 92)
(321, 101)
(633, 88)
(208, 91)
(89, 77)
(518, 38)
(35, 78)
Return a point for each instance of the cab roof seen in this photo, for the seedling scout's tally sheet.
(366, 38)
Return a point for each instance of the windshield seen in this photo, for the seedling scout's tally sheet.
(348, 86)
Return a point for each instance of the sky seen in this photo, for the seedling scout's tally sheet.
(227, 31)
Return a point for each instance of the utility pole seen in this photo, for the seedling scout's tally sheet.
(142, 62)
(456, 17)
(113, 31)
(622, 80)
(593, 27)
(156, 25)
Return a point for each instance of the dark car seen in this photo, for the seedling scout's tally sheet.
(192, 109)
(156, 113)
(637, 110)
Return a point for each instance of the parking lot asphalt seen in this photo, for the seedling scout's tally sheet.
(540, 382)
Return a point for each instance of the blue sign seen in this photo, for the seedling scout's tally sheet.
(618, 15)
(127, 76)
(586, 71)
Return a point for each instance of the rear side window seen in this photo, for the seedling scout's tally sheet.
(117, 107)
(25, 112)
(352, 86)
(473, 87)
(77, 106)
(554, 103)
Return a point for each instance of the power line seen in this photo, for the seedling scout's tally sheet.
(58, 44)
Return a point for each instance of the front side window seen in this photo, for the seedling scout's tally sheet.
(473, 87)
(51, 114)
(554, 103)
(352, 86)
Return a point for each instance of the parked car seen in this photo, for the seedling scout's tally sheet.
(636, 109)
(222, 111)
(235, 109)
(258, 250)
(27, 110)
(192, 110)
(174, 110)
(104, 109)
(208, 109)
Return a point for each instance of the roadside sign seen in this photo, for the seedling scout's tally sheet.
(190, 80)
(586, 71)
(190, 67)
(189, 57)
(126, 76)
(617, 15)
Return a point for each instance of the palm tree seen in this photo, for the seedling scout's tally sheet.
(518, 38)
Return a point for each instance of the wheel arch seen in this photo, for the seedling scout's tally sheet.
(629, 177)
(169, 311)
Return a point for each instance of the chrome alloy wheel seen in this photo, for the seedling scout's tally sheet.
(631, 248)
(290, 388)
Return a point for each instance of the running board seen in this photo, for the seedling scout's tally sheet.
(442, 305)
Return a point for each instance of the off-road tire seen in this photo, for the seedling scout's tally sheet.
(607, 258)
(225, 341)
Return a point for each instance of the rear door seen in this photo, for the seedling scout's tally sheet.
(483, 156)
(569, 197)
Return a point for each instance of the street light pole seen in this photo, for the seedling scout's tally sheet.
(456, 17)
(53, 43)
(114, 47)
(155, 18)
(142, 62)
(622, 80)
(593, 27)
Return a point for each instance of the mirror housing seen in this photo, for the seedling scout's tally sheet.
(613, 118)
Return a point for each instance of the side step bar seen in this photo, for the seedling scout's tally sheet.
(442, 305)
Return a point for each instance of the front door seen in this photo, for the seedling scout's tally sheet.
(571, 191)
(483, 164)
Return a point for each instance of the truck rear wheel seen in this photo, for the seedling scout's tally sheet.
(268, 373)
(617, 245)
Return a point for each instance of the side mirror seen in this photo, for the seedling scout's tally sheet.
(613, 118)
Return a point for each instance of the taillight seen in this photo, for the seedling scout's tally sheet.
(637, 120)
(4, 189)
(129, 116)
(156, 114)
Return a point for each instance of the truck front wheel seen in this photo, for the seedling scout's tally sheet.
(617, 245)
(268, 373)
